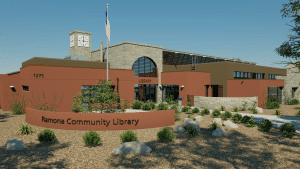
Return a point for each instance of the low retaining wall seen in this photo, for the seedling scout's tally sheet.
(228, 102)
(100, 121)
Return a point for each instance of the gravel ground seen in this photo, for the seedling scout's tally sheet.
(242, 147)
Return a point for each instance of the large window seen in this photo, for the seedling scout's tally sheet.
(273, 76)
(144, 67)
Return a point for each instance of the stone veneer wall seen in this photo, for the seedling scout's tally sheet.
(229, 102)
(292, 79)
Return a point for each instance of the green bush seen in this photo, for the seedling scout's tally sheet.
(223, 116)
(128, 136)
(298, 113)
(205, 111)
(254, 111)
(136, 104)
(288, 130)
(265, 125)
(245, 119)
(293, 102)
(162, 106)
(251, 123)
(272, 105)
(166, 135)
(152, 105)
(235, 109)
(227, 114)
(173, 107)
(214, 126)
(47, 136)
(185, 109)
(177, 117)
(91, 137)
(277, 112)
(216, 113)
(170, 102)
(192, 131)
(25, 129)
(195, 110)
(146, 106)
(222, 108)
(237, 117)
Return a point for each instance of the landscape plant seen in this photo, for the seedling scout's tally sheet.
(185, 109)
(91, 137)
(245, 119)
(265, 126)
(251, 123)
(146, 106)
(216, 113)
(205, 111)
(288, 130)
(137, 104)
(298, 113)
(169, 98)
(237, 118)
(277, 112)
(152, 105)
(235, 109)
(25, 129)
(294, 102)
(195, 110)
(191, 131)
(43, 106)
(17, 107)
(162, 106)
(47, 135)
(222, 108)
(214, 126)
(227, 114)
(128, 136)
(166, 135)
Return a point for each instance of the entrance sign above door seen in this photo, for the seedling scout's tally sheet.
(145, 81)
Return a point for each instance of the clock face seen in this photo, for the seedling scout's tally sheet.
(72, 41)
(83, 41)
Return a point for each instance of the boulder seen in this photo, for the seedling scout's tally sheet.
(15, 144)
(132, 147)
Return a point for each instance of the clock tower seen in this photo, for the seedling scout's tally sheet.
(80, 44)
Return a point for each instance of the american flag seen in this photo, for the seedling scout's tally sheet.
(107, 25)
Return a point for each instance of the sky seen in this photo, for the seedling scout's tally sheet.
(248, 30)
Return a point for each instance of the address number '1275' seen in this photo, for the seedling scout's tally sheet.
(38, 75)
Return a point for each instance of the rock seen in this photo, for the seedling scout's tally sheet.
(217, 120)
(15, 144)
(229, 124)
(132, 147)
(194, 124)
(198, 118)
(259, 110)
(179, 129)
(219, 132)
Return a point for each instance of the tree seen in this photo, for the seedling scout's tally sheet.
(104, 94)
(291, 49)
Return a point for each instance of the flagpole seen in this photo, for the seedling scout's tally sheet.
(107, 41)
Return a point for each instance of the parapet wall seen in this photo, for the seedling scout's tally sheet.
(228, 102)
(100, 121)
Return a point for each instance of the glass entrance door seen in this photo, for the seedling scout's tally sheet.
(145, 93)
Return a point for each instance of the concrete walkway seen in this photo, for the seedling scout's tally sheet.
(277, 121)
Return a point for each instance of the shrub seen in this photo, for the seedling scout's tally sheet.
(298, 113)
(177, 117)
(195, 110)
(251, 123)
(223, 116)
(227, 114)
(174, 107)
(265, 125)
(277, 112)
(192, 131)
(216, 113)
(162, 106)
(176, 104)
(185, 109)
(166, 135)
(245, 119)
(294, 101)
(235, 109)
(25, 129)
(47, 136)
(136, 104)
(272, 103)
(189, 104)
(205, 111)
(170, 102)
(288, 130)
(128, 136)
(91, 137)
(214, 126)
(222, 108)
(146, 106)
(254, 111)
(237, 117)
(152, 105)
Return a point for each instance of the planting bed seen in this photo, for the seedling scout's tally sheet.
(243, 147)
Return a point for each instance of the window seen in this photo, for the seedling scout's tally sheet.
(293, 91)
(242, 75)
(144, 67)
(238, 75)
(25, 88)
(234, 74)
(249, 75)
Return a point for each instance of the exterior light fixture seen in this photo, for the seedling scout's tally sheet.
(182, 86)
